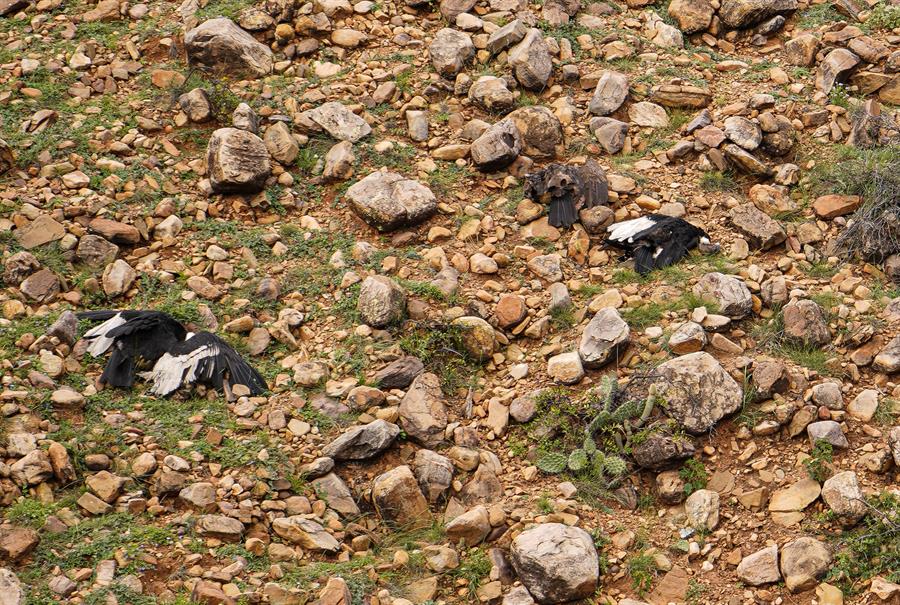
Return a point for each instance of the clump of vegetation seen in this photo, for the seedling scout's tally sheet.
(693, 473)
(770, 336)
(873, 232)
(870, 549)
(614, 419)
(442, 351)
(818, 465)
(716, 180)
(885, 16)
(642, 570)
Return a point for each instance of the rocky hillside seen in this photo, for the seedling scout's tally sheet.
(466, 404)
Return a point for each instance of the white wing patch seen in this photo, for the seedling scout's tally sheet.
(100, 343)
(626, 230)
(172, 371)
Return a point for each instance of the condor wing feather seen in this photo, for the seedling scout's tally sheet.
(206, 359)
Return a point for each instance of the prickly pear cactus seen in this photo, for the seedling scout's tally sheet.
(578, 460)
(552, 462)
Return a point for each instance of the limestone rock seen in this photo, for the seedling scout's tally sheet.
(843, 495)
(423, 414)
(609, 94)
(382, 301)
(834, 68)
(238, 161)
(450, 51)
(803, 562)
(699, 391)
(541, 131)
(363, 442)
(497, 147)
(339, 122)
(556, 562)
(805, 323)
(530, 60)
(740, 14)
(760, 567)
(222, 46)
(603, 338)
(434, 473)
(728, 292)
(305, 532)
(692, 15)
(388, 201)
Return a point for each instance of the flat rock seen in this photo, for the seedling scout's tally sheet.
(803, 562)
(603, 338)
(450, 51)
(423, 413)
(398, 499)
(363, 442)
(339, 122)
(388, 201)
(760, 230)
(760, 567)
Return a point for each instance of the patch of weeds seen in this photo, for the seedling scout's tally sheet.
(717, 180)
(447, 178)
(442, 350)
(223, 8)
(695, 591)
(839, 96)
(544, 505)
(820, 270)
(353, 572)
(30, 513)
(562, 318)
(818, 15)
(818, 465)
(642, 571)
(694, 475)
(653, 312)
(770, 336)
(398, 157)
(886, 411)
(885, 16)
(424, 289)
(870, 549)
(472, 570)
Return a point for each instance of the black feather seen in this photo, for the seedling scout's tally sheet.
(562, 212)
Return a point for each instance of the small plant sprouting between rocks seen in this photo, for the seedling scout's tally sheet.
(617, 422)
(693, 473)
(818, 465)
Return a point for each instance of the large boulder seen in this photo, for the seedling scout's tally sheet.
(803, 562)
(450, 51)
(363, 442)
(423, 414)
(556, 562)
(382, 301)
(237, 161)
(224, 47)
(541, 131)
(603, 338)
(728, 292)
(388, 201)
(692, 15)
(739, 14)
(531, 61)
(698, 391)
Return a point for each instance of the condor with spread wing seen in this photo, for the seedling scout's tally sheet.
(203, 358)
(656, 241)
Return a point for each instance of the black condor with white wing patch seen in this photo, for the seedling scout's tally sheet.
(656, 241)
(203, 358)
(137, 339)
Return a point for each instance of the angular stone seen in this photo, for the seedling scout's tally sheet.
(565, 368)
(833, 205)
(795, 497)
(728, 292)
(382, 301)
(237, 161)
(805, 323)
(648, 114)
(450, 51)
(827, 430)
(491, 94)
(363, 442)
(305, 532)
(530, 60)
(497, 147)
(760, 229)
(541, 131)
(803, 562)
(760, 567)
(434, 473)
(603, 338)
(339, 122)
(681, 96)
(336, 494)
(692, 15)
(221, 527)
(740, 14)
(388, 201)
(842, 494)
(609, 94)
(557, 563)
(224, 47)
(835, 68)
(698, 390)
(398, 499)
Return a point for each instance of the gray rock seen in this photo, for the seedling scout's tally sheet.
(728, 292)
(450, 9)
(65, 328)
(698, 390)
(894, 443)
(805, 323)
(888, 360)
(471, 527)
(363, 442)
(222, 46)
(530, 60)
(689, 337)
(244, 118)
(339, 122)
(117, 278)
(491, 94)
(827, 430)
(388, 201)
(41, 286)
(506, 36)
(557, 563)
(702, 509)
(281, 144)
(336, 494)
(759, 228)
(742, 131)
(497, 147)
(651, 115)
(603, 338)
(423, 414)
(739, 14)
(237, 161)
(843, 495)
(19, 266)
(803, 562)
(382, 301)
(434, 473)
(11, 592)
(661, 450)
(760, 567)
(609, 94)
(610, 133)
(227, 529)
(339, 162)
(450, 51)
(565, 368)
(96, 251)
